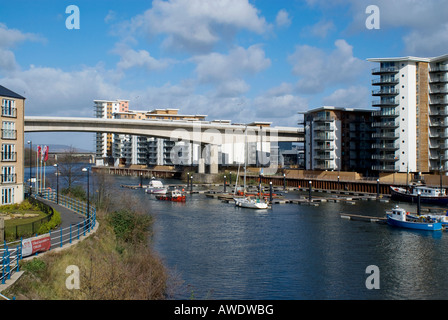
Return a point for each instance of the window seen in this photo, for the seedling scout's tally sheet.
(8, 152)
(7, 195)
(8, 130)
(9, 108)
(8, 174)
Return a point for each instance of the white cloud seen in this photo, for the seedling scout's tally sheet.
(318, 69)
(139, 59)
(197, 25)
(351, 97)
(320, 29)
(283, 19)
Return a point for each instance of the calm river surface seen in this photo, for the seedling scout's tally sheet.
(294, 252)
(291, 252)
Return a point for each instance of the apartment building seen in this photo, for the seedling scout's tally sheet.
(12, 143)
(411, 124)
(106, 109)
(337, 139)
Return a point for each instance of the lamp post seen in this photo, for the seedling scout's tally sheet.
(57, 182)
(309, 191)
(31, 167)
(284, 182)
(191, 184)
(88, 192)
(225, 182)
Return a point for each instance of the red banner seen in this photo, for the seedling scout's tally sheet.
(37, 244)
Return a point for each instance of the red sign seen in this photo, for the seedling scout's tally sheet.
(37, 244)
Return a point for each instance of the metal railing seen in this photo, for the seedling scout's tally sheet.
(11, 253)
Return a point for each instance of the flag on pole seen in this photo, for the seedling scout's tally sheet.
(45, 153)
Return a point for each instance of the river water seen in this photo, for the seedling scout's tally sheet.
(291, 252)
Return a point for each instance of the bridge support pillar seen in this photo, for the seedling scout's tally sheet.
(201, 167)
(214, 159)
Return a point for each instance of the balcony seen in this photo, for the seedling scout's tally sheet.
(385, 135)
(386, 124)
(385, 168)
(324, 137)
(385, 92)
(9, 156)
(324, 147)
(386, 81)
(441, 68)
(443, 79)
(325, 166)
(323, 128)
(386, 146)
(387, 70)
(386, 113)
(438, 112)
(323, 119)
(438, 91)
(324, 157)
(442, 124)
(385, 102)
(438, 101)
(385, 157)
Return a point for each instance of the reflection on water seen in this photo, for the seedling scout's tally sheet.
(220, 251)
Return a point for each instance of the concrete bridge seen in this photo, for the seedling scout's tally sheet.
(200, 132)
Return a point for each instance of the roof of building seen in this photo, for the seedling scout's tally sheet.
(410, 58)
(4, 92)
(336, 109)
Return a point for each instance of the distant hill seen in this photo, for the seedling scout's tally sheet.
(63, 148)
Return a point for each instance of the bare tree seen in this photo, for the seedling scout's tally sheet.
(69, 168)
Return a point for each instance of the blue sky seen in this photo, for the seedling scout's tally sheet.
(239, 60)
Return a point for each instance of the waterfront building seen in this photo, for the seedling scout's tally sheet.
(412, 121)
(12, 144)
(105, 109)
(337, 139)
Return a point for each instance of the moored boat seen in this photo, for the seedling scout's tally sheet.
(173, 195)
(427, 195)
(156, 187)
(398, 217)
(248, 202)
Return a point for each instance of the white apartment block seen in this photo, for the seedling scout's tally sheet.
(412, 120)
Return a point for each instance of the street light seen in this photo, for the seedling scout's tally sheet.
(88, 192)
(57, 182)
(31, 167)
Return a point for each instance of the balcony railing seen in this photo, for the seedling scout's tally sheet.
(324, 137)
(383, 113)
(386, 146)
(324, 157)
(386, 124)
(9, 134)
(385, 135)
(388, 168)
(9, 112)
(438, 79)
(323, 119)
(9, 156)
(325, 167)
(386, 81)
(323, 128)
(441, 68)
(9, 178)
(324, 147)
(438, 101)
(385, 92)
(385, 157)
(443, 124)
(385, 102)
(378, 71)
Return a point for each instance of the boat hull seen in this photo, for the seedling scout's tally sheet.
(433, 226)
(169, 198)
(405, 197)
(250, 204)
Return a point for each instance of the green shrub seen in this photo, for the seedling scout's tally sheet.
(129, 226)
(53, 223)
(34, 266)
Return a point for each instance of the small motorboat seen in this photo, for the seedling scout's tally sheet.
(173, 195)
(155, 187)
(398, 217)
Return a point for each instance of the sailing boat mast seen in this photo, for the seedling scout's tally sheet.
(245, 159)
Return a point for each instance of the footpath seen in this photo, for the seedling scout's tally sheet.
(68, 218)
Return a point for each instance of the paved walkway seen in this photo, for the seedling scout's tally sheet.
(68, 216)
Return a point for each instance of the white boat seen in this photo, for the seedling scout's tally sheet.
(247, 201)
(250, 203)
(155, 187)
